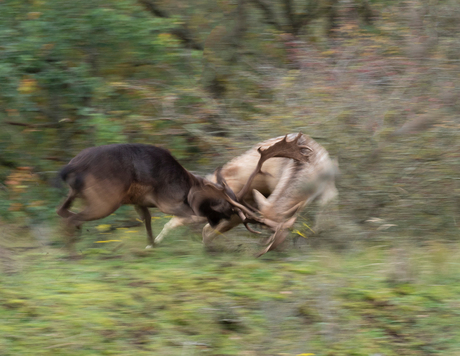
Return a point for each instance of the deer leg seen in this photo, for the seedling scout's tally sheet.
(171, 224)
(63, 210)
(90, 213)
(69, 230)
(71, 234)
(95, 209)
(209, 233)
(144, 213)
(177, 221)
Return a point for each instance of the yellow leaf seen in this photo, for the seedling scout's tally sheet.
(165, 36)
(37, 203)
(103, 227)
(27, 86)
(48, 46)
(299, 233)
(33, 15)
(15, 207)
(309, 228)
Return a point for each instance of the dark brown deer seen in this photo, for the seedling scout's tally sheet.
(288, 184)
(107, 177)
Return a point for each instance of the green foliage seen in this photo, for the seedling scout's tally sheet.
(381, 96)
(59, 57)
(176, 299)
(106, 130)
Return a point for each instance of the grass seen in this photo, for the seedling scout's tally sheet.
(120, 299)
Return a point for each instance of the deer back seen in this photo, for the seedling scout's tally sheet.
(146, 176)
(285, 182)
(135, 173)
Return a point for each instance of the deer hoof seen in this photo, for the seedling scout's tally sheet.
(148, 247)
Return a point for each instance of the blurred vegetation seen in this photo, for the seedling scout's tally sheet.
(376, 82)
(178, 300)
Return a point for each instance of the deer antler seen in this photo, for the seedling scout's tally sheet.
(283, 148)
(277, 238)
(279, 235)
(209, 190)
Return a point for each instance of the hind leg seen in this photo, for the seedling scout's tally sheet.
(63, 210)
(100, 200)
(69, 229)
(89, 213)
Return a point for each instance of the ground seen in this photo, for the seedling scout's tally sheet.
(384, 298)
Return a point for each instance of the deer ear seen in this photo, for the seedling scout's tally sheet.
(261, 201)
(208, 205)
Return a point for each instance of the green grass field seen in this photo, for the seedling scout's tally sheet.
(119, 299)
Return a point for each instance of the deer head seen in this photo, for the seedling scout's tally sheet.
(212, 200)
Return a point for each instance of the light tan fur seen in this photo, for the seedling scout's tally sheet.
(281, 192)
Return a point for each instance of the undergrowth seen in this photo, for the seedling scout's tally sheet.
(177, 299)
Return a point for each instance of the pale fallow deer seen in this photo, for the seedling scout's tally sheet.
(278, 193)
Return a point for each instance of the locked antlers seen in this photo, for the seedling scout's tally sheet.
(282, 148)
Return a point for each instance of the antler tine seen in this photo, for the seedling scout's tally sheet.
(246, 225)
(278, 236)
(246, 222)
(274, 240)
(221, 193)
(216, 192)
(283, 148)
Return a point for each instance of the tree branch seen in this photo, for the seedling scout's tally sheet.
(154, 9)
(185, 36)
(366, 12)
(304, 18)
(270, 17)
(6, 163)
(48, 124)
(287, 4)
(182, 33)
(238, 30)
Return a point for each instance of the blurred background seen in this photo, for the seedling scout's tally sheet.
(376, 82)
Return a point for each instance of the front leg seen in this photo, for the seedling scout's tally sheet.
(170, 225)
(177, 221)
(144, 214)
(210, 233)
